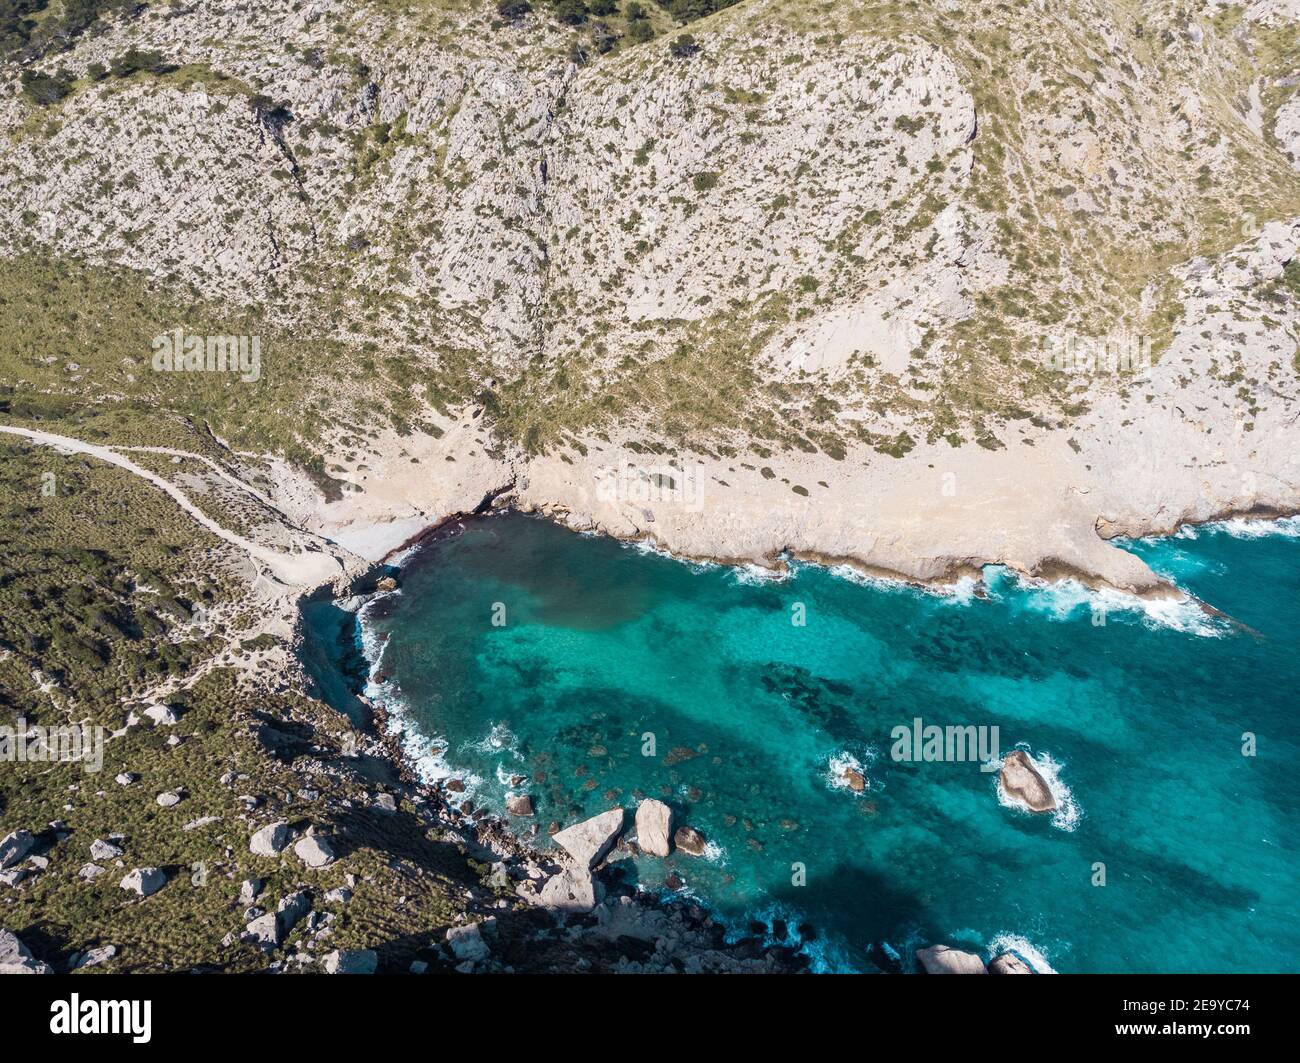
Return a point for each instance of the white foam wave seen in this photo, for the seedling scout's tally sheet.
(1242, 528)
(649, 546)
(752, 575)
(1063, 600)
(426, 754)
(1022, 947)
(843, 762)
(499, 740)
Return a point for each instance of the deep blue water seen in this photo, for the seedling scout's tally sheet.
(1138, 722)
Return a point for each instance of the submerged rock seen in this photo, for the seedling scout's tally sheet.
(654, 825)
(589, 841)
(1021, 781)
(689, 841)
(940, 959)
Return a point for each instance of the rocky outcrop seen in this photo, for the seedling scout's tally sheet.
(16, 958)
(144, 881)
(14, 847)
(351, 961)
(572, 890)
(1022, 782)
(940, 959)
(690, 841)
(654, 825)
(1009, 963)
(269, 840)
(591, 840)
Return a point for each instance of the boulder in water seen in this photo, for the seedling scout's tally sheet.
(689, 841)
(1021, 781)
(519, 805)
(654, 826)
(1009, 963)
(940, 959)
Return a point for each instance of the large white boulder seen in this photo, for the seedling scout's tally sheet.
(162, 715)
(14, 847)
(654, 827)
(467, 943)
(572, 890)
(144, 881)
(588, 842)
(269, 840)
(314, 851)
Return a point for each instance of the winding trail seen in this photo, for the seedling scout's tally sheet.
(308, 569)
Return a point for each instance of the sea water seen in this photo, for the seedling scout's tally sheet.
(522, 657)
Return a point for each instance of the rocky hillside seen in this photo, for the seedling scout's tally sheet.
(799, 223)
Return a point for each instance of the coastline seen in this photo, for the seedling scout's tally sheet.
(404, 744)
(706, 936)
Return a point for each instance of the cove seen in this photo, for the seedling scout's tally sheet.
(522, 657)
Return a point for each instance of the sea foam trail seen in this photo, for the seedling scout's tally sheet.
(1068, 599)
(426, 754)
(1241, 528)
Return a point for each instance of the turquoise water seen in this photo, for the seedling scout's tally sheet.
(1138, 723)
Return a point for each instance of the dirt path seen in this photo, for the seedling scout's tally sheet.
(308, 569)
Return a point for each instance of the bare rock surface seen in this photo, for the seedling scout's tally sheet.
(1023, 783)
(940, 959)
